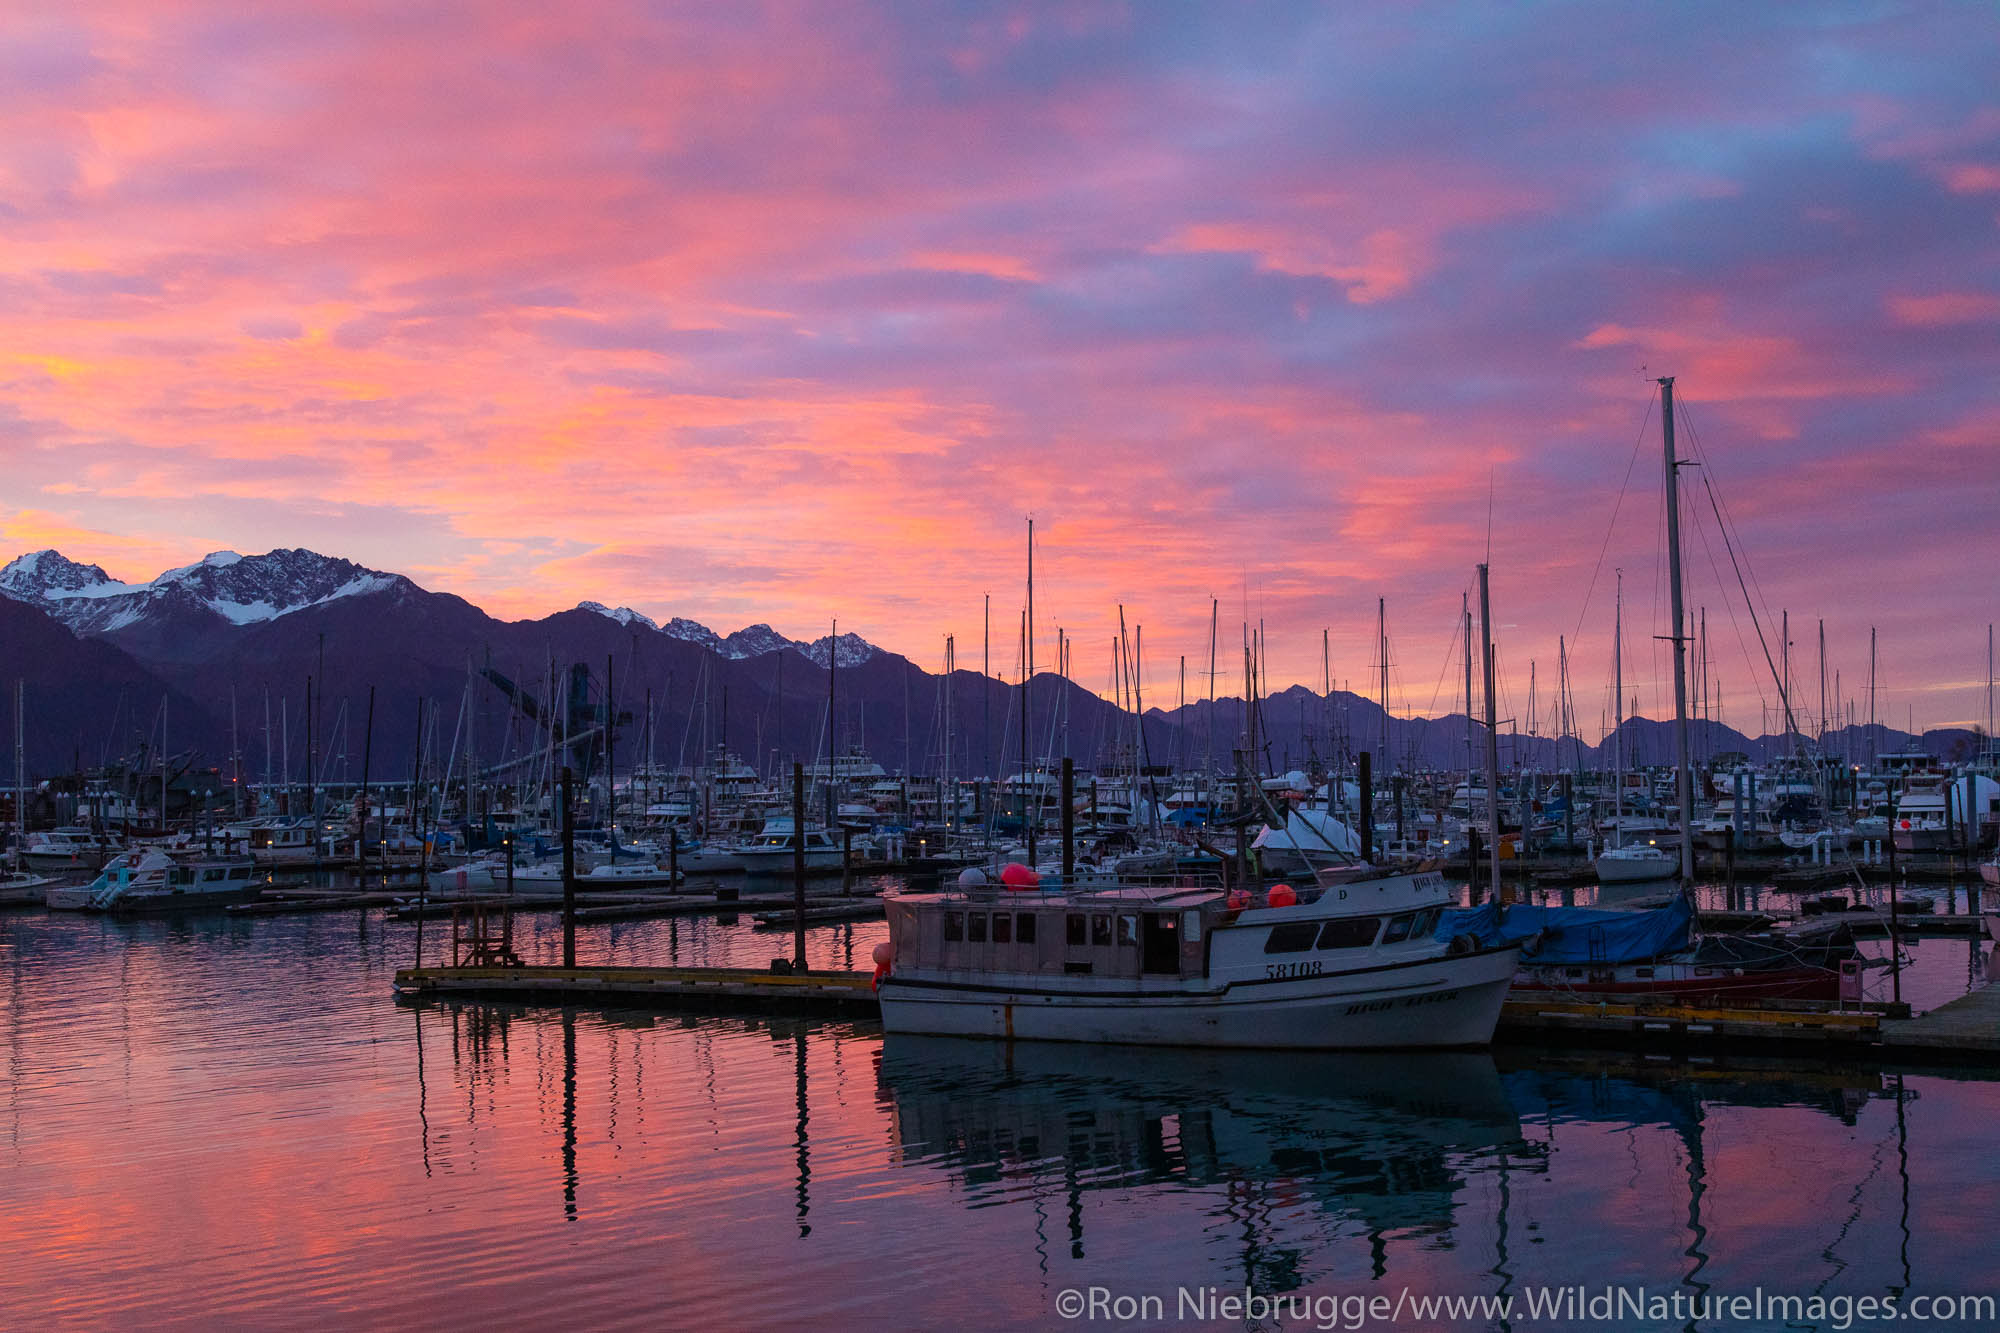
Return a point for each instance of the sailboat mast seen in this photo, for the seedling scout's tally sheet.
(1492, 734)
(1028, 813)
(1465, 611)
(1683, 778)
(1382, 643)
(1618, 705)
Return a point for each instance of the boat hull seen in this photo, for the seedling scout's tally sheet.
(65, 861)
(1678, 984)
(157, 903)
(1450, 1001)
(780, 862)
(1612, 870)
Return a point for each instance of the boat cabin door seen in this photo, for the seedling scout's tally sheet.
(1160, 943)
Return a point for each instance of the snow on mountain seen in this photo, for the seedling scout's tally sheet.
(42, 576)
(624, 615)
(851, 650)
(680, 627)
(241, 589)
(755, 641)
(248, 589)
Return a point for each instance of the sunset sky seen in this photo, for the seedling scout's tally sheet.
(780, 313)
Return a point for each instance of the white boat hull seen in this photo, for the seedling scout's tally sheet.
(67, 898)
(1619, 870)
(779, 861)
(1440, 1002)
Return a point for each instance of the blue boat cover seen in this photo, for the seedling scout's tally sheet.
(1577, 934)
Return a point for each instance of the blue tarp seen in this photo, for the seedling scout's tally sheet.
(1577, 934)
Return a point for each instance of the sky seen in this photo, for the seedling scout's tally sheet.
(784, 313)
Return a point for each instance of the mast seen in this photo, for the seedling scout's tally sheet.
(1214, 613)
(832, 730)
(1382, 642)
(1683, 779)
(1871, 697)
(1465, 609)
(1027, 684)
(1492, 734)
(1618, 706)
(20, 771)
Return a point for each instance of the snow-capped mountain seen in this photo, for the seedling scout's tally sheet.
(240, 589)
(624, 615)
(751, 641)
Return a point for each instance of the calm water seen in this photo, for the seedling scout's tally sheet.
(224, 1123)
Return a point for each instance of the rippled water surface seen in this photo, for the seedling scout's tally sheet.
(226, 1123)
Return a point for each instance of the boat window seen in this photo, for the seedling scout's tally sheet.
(1191, 925)
(1003, 928)
(1100, 931)
(1024, 928)
(1399, 928)
(1128, 930)
(1291, 937)
(1349, 932)
(975, 928)
(1076, 930)
(954, 925)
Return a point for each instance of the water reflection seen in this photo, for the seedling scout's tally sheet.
(253, 1128)
(1378, 1139)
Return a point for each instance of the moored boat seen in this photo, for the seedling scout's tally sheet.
(1348, 964)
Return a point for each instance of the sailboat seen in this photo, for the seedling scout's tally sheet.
(1640, 861)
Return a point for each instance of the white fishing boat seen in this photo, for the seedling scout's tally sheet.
(1347, 965)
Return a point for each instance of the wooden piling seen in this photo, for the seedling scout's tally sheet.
(569, 866)
(799, 855)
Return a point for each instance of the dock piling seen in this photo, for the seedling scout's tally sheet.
(799, 859)
(569, 866)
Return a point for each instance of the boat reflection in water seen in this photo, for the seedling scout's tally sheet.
(1382, 1139)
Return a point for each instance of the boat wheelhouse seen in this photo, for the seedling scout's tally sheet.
(1350, 963)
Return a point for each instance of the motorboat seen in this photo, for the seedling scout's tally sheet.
(1348, 963)
(151, 881)
(71, 848)
(773, 852)
(1640, 862)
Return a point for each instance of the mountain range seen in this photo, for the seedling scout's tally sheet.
(218, 657)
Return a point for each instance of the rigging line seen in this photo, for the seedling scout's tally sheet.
(1728, 603)
(1757, 624)
(1700, 453)
(1611, 526)
(1451, 656)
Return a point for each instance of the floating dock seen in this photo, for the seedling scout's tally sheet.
(1965, 1031)
(846, 994)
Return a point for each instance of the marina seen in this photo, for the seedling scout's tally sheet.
(1047, 666)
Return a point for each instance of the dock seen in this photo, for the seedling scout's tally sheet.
(1965, 1027)
(843, 994)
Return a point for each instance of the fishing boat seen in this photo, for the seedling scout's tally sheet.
(1349, 963)
(152, 881)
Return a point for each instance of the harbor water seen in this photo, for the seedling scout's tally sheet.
(218, 1122)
